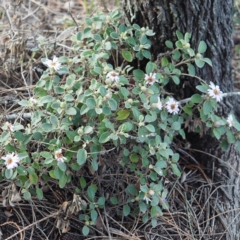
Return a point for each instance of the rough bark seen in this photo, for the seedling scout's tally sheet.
(211, 21)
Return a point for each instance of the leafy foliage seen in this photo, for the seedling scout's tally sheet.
(97, 98)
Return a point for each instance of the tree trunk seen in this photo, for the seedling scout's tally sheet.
(210, 21)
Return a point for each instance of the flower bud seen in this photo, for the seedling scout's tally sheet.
(151, 192)
(198, 55)
(143, 89)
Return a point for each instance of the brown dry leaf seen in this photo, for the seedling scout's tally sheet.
(64, 206)
(63, 225)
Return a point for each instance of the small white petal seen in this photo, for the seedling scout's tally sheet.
(33, 100)
(55, 64)
(114, 76)
(215, 92)
(59, 156)
(11, 161)
(9, 127)
(159, 104)
(147, 199)
(172, 106)
(230, 120)
(150, 78)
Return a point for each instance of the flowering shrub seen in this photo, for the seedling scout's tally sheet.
(96, 99)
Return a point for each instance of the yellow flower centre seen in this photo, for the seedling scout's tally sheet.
(216, 92)
(53, 64)
(9, 161)
(173, 106)
(113, 74)
(59, 155)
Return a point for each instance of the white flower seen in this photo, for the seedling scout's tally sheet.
(159, 104)
(147, 199)
(150, 78)
(151, 192)
(114, 76)
(172, 106)
(53, 63)
(11, 161)
(230, 120)
(33, 101)
(59, 156)
(215, 92)
(9, 127)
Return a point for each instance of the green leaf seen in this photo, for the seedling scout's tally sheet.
(114, 35)
(176, 126)
(138, 74)
(134, 158)
(47, 99)
(122, 114)
(131, 189)
(230, 136)
(216, 133)
(176, 55)
(150, 128)
(81, 156)
(199, 62)
(91, 193)
(68, 98)
(105, 137)
(202, 47)
(114, 200)
(146, 54)
(175, 79)
(202, 88)
(150, 67)
(191, 69)
(62, 181)
(207, 107)
(112, 104)
(39, 193)
(70, 80)
(126, 210)
(179, 35)
(101, 201)
(47, 127)
(187, 110)
(169, 44)
(54, 120)
(94, 215)
(62, 166)
(196, 98)
(27, 196)
(164, 62)
(9, 148)
(24, 103)
(83, 182)
(91, 103)
(8, 173)
(208, 61)
(71, 111)
(127, 55)
(94, 165)
(19, 136)
(85, 230)
(143, 207)
(175, 169)
(33, 178)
